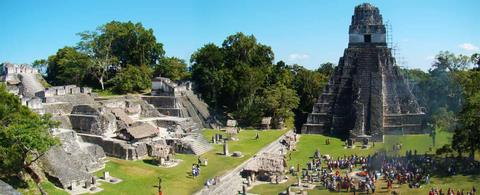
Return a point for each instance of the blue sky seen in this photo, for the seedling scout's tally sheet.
(307, 32)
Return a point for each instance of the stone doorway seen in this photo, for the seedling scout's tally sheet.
(367, 38)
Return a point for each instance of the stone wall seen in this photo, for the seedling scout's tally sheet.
(93, 119)
(118, 148)
(71, 161)
(63, 90)
(9, 68)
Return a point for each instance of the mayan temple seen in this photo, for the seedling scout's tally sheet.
(367, 96)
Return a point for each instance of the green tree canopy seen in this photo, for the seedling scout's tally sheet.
(309, 86)
(236, 76)
(132, 79)
(131, 43)
(172, 68)
(24, 135)
(67, 66)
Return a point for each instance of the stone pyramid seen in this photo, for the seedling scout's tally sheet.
(367, 96)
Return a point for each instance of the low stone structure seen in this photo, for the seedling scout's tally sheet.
(265, 124)
(161, 152)
(231, 127)
(267, 167)
(139, 132)
(165, 86)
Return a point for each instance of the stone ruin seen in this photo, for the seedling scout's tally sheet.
(367, 97)
(177, 99)
(128, 127)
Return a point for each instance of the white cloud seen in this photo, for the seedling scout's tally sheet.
(298, 57)
(469, 47)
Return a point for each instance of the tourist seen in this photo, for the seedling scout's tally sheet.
(194, 171)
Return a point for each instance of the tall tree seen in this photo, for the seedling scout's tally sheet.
(24, 135)
(132, 79)
(327, 69)
(467, 134)
(447, 61)
(280, 101)
(67, 66)
(475, 59)
(173, 68)
(132, 44)
(99, 48)
(308, 85)
(208, 72)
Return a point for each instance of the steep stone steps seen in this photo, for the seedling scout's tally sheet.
(197, 143)
(30, 84)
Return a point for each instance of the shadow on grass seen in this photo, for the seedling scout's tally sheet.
(150, 162)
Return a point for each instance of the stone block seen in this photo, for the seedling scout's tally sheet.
(60, 92)
(86, 90)
(106, 175)
(75, 90)
(34, 103)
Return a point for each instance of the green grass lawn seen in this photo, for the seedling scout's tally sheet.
(422, 143)
(140, 177)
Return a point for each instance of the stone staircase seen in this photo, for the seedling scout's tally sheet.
(197, 143)
(30, 84)
(195, 108)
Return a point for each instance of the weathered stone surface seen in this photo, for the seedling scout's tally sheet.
(93, 119)
(7, 189)
(60, 168)
(75, 99)
(73, 160)
(117, 148)
(367, 95)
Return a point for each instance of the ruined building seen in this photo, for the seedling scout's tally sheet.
(367, 96)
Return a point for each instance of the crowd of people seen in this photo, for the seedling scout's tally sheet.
(451, 191)
(413, 170)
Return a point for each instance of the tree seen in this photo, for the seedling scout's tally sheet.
(467, 134)
(475, 59)
(327, 69)
(24, 135)
(132, 44)
(443, 119)
(40, 65)
(447, 61)
(99, 48)
(208, 73)
(280, 102)
(132, 79)
(67, 66)
(309, 86)
(172, 68)
(233, 77)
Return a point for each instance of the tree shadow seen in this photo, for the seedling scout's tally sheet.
(14, 181)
